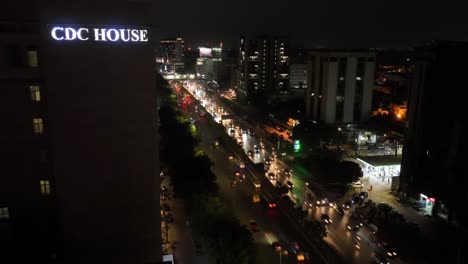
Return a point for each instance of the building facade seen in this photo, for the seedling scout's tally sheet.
(434, 145)
(263, 67)
(80, 155)
(339, 86)
(171, 54)
(209, 64)
(298, 75)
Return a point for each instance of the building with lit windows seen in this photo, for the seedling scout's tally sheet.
(209, 64)
(339, 86)
(171, 54)
(80, 146)
(263, 67)
(298, 73)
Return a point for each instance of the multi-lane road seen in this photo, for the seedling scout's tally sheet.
(237, 140)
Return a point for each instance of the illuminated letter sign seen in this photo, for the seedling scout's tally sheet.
(99, 34)
(54, 33)
(80, 33)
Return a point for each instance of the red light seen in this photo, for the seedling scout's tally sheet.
(432, 200)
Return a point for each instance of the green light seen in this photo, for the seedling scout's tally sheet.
(297, 145)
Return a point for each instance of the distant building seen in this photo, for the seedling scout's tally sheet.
(298, 73)
(339, 86)
(433, 165)
(209, 64)
(171, 54)
(79, 179)
(393, 73)
(263, 67)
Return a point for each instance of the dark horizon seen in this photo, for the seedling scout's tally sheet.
(335, 24)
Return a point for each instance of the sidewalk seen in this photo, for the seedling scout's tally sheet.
(184, 250)
(426, 224)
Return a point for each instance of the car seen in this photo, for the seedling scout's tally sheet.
(257, 151)
(237, 173)
(256, 198)
(357, 184)
(379, 258)
(326, 219)
(169, 218)
(230, 157)
(363, 195)
(241, 165)
(250, 153)
(165, 207)
(276, 246)
(356, 199)
(271, 176)
(300, 257)
(290, 184)
(257, 184)
(388, 250)
(216, 143)
(287, 173)
(348, 204)
(253, 226)
(354, 226)
(269, 203)
(339, 210)
(323, 202)
(357, 244)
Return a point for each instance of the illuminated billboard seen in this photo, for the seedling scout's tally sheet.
(205, 52)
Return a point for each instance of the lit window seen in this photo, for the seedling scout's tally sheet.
(341, 78)
(32, 59)
(45, 187)
(38, 126)
(35, 93)
(4, 213)
(358, 78)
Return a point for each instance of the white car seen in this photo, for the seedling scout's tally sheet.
(358, 184)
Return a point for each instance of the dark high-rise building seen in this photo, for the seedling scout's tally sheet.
(435, 139)
(339, 86)
(80, 154)
(263, 67)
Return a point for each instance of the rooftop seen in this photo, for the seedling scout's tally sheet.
(378, 161)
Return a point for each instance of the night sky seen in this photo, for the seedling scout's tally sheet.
(329, 23)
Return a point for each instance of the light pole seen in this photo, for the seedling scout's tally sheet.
(281, 253)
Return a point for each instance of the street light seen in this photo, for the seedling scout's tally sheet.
(281, 253)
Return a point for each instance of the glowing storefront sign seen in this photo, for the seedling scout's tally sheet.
(99, 34)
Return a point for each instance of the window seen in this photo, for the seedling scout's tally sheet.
(45, 187)
(38, 126)
(35, 93)
(14, 56)
(43, 156)
(4, 213)
(32, 58)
